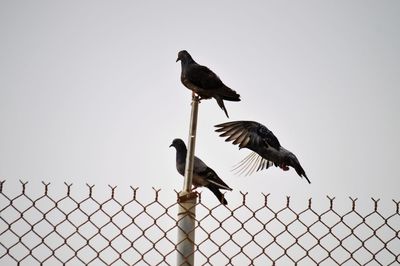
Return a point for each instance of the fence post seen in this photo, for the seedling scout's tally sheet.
(187, 199)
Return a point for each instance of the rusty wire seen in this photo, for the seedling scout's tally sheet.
(71, 230)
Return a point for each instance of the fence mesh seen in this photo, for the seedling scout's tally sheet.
(61, 228)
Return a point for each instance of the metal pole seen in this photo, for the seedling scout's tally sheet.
(187, 199)
(187, 184)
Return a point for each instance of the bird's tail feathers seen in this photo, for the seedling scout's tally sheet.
(228, 94)
(218, 194)
(300, 171)
(235, 98)
(296, 165)
(221, 104)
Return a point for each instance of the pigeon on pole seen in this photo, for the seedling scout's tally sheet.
(203, 176)
(267, 150)
(205, 83)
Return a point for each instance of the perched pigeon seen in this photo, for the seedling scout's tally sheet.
(204, 82)
(267, 150)
(203, 176)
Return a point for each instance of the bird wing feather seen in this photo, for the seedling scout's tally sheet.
(203, 77)
(250, 164)
(247, 133)
(213, 178)
(201, 170)
(198, 165)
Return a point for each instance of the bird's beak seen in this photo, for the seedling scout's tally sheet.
(177, 59)
(170, 145)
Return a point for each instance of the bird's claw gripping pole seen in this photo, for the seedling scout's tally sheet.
(187, 199)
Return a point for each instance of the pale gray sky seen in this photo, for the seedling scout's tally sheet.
(90, 91)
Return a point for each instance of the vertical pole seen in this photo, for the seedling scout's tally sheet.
(187, 199)
(187, 185)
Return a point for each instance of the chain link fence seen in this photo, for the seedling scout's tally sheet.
(100, 229)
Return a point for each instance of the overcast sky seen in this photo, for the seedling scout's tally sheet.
(90, 91)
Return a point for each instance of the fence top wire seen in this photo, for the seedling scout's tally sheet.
(156, 192)
(98, 226)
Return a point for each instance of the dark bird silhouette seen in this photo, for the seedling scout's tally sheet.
(267, 150)
(203, 176)
(204, 82)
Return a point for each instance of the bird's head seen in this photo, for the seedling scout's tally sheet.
(183, 56)
(177, 143)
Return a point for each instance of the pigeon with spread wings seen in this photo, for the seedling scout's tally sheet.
(205, 83)
(203, 176)
(267, 150)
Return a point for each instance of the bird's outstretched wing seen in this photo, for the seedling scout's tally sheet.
(248, 134)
